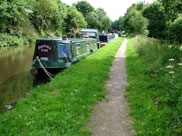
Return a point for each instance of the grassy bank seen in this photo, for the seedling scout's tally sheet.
(63, 106)
(154, 87)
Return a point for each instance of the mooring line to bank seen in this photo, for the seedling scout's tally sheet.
(47, 72)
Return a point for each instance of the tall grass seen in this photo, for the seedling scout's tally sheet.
(155, 87)
(63, 106)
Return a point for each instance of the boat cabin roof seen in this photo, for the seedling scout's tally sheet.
(89, 30)
(69, 40)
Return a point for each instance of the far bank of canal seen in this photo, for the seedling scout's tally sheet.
(15, 78)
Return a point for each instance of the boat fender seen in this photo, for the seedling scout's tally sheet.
(33, 71)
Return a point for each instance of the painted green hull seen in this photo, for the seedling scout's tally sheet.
(55, 53)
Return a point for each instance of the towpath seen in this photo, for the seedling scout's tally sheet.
(112, 118)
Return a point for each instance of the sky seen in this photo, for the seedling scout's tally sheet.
(113, 8)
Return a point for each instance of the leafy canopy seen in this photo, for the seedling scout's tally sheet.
(84, 7)
(75, 19)
(157, 20)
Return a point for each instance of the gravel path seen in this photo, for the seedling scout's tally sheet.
(112, 118)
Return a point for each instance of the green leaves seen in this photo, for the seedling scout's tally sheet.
(160, 19)
(92, 20)
(155, 13)
(175, 30)
(75, 19)
(134, 22)
(95, 18)
(172, 8)
(9, 40)
(46, 7)
(104, 21)
(11, 14)
(84, 7)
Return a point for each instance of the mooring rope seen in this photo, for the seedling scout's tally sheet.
(47, 72)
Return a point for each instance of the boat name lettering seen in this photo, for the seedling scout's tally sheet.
(44, 46)
(44, 50)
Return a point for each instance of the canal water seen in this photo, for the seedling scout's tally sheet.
(15, 78)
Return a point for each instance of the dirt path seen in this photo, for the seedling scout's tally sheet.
(112, 118)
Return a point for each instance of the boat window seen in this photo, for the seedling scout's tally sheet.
(78, 48)
(103, 38)
(63, 50)
(88, 47)
(90, 34)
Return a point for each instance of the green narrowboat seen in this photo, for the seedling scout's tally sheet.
(91, 33)
(105, 38)
(54, 54)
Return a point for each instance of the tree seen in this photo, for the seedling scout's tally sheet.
(175, 30)
(92, 20)
(75, 19)
(172, 8)
(44, 12)
(61, 25)
(134, 22)
(84, 7)
(173, 11)
(139, 23)
(157, 20)
(11, 14)
(116, 24)
(104, 21)
(136, 6)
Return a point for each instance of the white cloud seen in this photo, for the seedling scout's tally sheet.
(113, 8)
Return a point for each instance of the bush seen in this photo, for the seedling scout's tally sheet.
(134, 22)
(157, 20)
(175, 30)
(9, 40)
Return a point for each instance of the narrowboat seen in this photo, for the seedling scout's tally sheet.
(91, 33)
(54, 54)
(105, 38)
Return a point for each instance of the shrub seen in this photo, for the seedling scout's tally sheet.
(9, 40)
(175, 30)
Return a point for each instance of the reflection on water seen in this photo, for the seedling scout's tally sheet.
(15, 79)
(13, 89)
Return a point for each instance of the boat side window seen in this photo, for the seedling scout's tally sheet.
(90, 34)
(88, 47)
(78, 48)
(103, 38)
(63, 50)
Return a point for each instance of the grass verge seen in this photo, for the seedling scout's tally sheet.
(154, 89)
(63, 106)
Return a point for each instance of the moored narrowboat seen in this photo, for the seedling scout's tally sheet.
(91, 33)
(105, 38)
(54, 54)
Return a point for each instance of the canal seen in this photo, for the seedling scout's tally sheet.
(15, 78)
